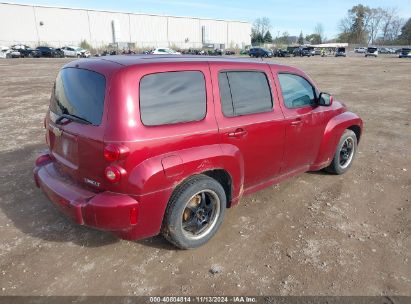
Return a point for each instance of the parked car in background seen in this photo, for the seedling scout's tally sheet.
(164, 51)
(59, 53)
(6, 52)
(405, 53)
(46, 51)
(216, 52)
(229, 52)
(360, 50)
(260, 53)
(69, 51)
(196, 135)
(83, 53)
(75, 51)
(25, 51)
(371, 52)
(384, 51)
(312, 51)
(340, 52)
(302, 52)
(281, 53)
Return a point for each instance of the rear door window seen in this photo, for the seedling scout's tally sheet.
(172, 97)
(80, 93)
(244, 92)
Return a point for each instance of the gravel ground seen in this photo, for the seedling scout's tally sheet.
(316, 234)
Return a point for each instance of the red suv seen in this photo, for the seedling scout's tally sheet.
(140, 145)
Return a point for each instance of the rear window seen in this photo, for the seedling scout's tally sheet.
(172, 97)
(80, 93)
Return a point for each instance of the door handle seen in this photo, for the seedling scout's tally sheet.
(238, 133)
(297, 122)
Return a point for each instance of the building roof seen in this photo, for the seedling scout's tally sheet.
(120, 12)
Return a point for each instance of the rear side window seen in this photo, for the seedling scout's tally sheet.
(172, 97)
(244, 92)
(80, 93)
(297, 91)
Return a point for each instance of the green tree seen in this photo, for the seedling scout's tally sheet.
(267, 37)
(359, 16)
(319, 31)
(284, 39)
(257, 38)
(314, 38)
(301, 38)
(405, 35)
(85, 45)
(260, 28)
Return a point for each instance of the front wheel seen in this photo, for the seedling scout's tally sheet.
(345, 153)
(195, 212)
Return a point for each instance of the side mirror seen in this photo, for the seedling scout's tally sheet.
(325, 99)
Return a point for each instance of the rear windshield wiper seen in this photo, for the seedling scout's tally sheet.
(72, 117)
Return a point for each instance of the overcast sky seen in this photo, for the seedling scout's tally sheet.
(291, 15)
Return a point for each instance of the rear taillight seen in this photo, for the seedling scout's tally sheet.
(112, 174)
(111, 153)
(115, 152)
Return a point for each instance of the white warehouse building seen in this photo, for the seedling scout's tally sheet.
(59, 26)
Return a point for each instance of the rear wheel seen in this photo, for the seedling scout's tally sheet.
(345, 153)
(195, 212)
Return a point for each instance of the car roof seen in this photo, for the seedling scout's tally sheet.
(127, 60)
(108, 65)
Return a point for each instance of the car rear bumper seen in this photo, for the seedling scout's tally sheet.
(104, 210)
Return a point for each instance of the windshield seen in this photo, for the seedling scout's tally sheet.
(79, 93)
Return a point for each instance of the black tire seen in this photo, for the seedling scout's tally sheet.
(191, 192)
(345, 153)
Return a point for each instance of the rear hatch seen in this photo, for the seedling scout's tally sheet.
(75, 126)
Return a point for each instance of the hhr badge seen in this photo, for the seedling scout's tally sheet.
(91, 182)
